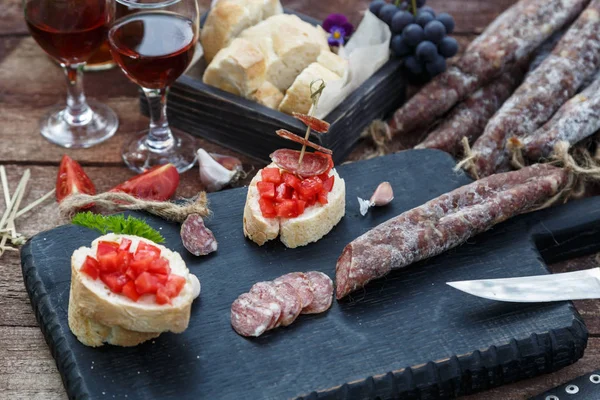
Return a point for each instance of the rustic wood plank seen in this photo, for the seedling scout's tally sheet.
(11, 18)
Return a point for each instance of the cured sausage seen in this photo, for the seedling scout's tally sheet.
(576, 120)
(249, 317)
(270, 298)
(444, 222)
(301, 284)
(322, 287)
(468, 119)
(316, 124)
(291, 303)
(312, 163)
(573, 60)
(512, 37)
(196, 237)
(284, 133)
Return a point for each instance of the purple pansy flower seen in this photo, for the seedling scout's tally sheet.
(339, 29)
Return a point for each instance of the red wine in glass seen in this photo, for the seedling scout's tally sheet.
(154, 45)
(70, 31)
(153, 48)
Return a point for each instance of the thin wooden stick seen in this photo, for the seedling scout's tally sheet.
(5, 185)
(11, 205)
(19, 196)
(30, 206)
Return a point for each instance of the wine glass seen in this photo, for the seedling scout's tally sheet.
(154, 44)
(70, 31)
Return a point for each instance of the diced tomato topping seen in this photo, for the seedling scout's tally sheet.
(130, 291)
(322, 198)
(301, 205)
(174, 285)
(287, 209)
(91, 267)
(266, 189)
(328, 183)
(108, 262)
(291, 180)
(107, 248)
(161, 278)
(271, 175)
(115, 281)
(162, 297)
(145, 247)
(310, 187)
(284, 192)
(146, 283)
(159, 266)
(125, 244)
(124, 258)
(267, 207)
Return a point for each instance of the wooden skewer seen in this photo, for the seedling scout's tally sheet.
(30, 206)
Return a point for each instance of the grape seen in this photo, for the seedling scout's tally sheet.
(436, 67)
(435, 31)
(421, 3)
(448, 47)
(376, 5)
(399, 46)
(401, 20)
(426, 51)
(413, 34)
(386, 13)
(448, 22)
(424, 17)
(413, 65)
(428, 9)
(403, 6)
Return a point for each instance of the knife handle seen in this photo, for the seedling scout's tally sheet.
(586, 387)
(568, 231)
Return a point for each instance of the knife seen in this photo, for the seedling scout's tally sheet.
(534, 289)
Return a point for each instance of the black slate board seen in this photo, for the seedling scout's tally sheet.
(249, 128)
(406, 336)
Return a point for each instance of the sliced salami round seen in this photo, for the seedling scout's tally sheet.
(315, 124)
(284, 133)
(196, 237)
(300, 282)
(249, 317)
(312, 163)
(267, 292)
(322, 287)
(292, 304)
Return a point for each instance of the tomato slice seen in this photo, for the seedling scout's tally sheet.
(91, 267)
(272, 175)
(287, 209)
(106, 248)
(158, 183)
(71, 179)
(114, 281)
(267, 207)
(146, 283)
(130, 291)
(266, 189)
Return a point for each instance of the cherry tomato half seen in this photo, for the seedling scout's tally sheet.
(158, 183)
(71, 179)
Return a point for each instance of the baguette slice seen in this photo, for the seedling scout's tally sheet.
(312, 225)
(97, 315)
(228, 18)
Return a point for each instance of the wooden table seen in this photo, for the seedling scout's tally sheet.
(30, 83)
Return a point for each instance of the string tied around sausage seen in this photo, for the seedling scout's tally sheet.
(468, 161)
(380, 134)
(117, 201)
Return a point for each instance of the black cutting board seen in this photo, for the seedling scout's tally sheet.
(406, 336)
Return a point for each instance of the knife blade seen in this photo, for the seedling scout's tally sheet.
(534, 289)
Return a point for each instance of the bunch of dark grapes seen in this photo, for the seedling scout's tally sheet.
(419, 36)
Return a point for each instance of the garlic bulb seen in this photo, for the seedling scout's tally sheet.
(214, 170)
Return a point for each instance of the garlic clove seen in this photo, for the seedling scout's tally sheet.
(213, 175)
(364, 206)
(229, 162)
(383, 195)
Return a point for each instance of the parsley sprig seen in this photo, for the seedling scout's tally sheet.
(117, 224)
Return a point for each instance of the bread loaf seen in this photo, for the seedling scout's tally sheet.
(228, 18)
(268, 95)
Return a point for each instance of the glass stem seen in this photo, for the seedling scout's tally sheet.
(78, 112)
(159, 137)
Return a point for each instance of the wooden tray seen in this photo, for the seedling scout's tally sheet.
(249, 128)
(406, 336)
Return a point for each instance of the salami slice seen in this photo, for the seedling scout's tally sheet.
(196, 237)
(267, 293)
(576, 120)
(316, 124)
(512, 37)
(468, 119)
(250, 317)
(444, 222)
(291, 303)
(300, 282)
(312, 163)
(322, 287)
(573, 60)
(284, 133)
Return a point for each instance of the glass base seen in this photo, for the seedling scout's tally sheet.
(103, 125)
(182, 154)
(100, 66)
